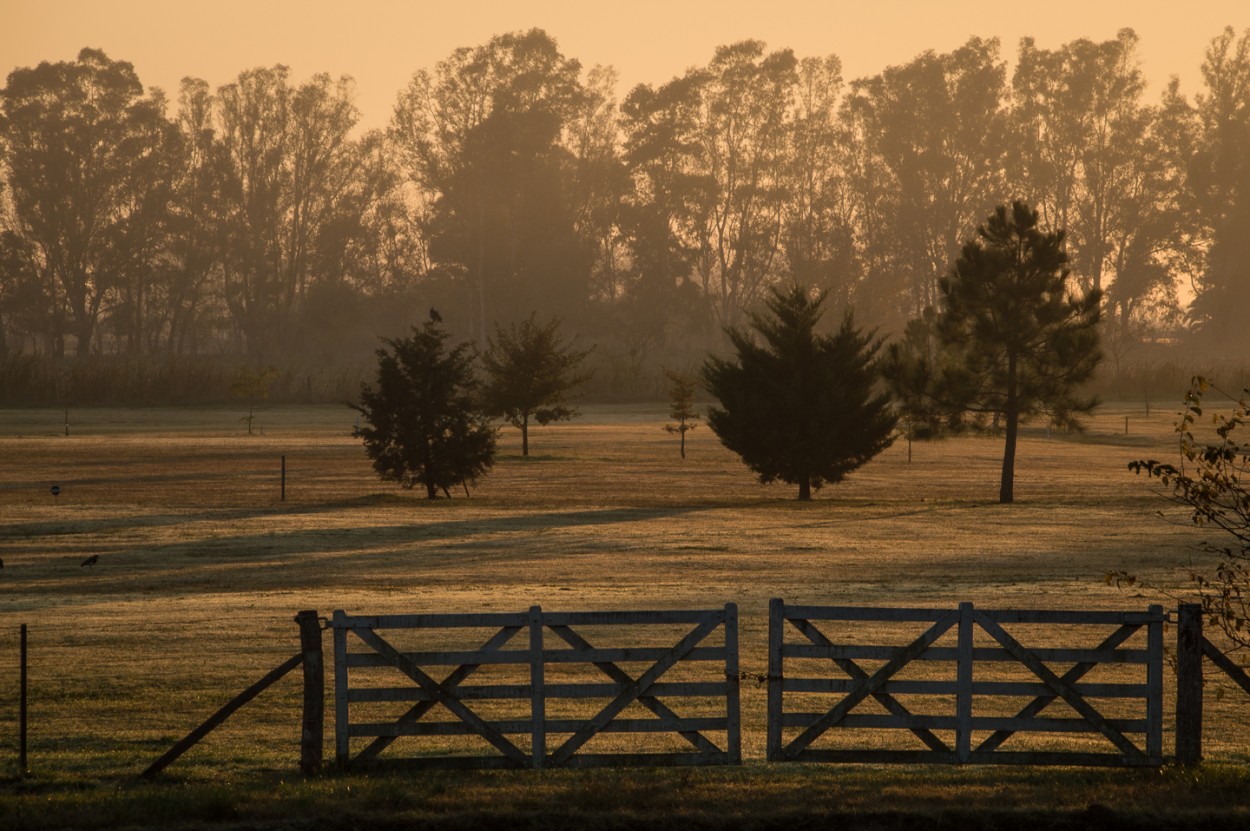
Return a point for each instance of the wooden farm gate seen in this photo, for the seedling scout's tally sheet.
(962, 685)
(549, 688)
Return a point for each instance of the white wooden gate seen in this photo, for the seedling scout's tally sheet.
(964, 684)
(539, 690)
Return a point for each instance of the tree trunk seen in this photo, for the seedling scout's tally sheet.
(805, 489)
(430, 491)
(1005, 487)
(1011, 411)
(683, 442)
(525, 434)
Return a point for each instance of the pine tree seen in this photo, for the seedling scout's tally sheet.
(1013, 342)
(800, 407)
(423, 423)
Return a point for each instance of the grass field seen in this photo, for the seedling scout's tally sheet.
(202, 567)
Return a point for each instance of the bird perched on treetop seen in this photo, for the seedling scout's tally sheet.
(92, 560)
(435, 316)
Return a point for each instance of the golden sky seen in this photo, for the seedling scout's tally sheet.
(381, 42)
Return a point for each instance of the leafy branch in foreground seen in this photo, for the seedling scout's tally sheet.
(1210, 481)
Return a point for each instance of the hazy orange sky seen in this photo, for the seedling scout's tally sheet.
(382, 43)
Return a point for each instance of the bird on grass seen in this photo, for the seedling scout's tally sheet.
(435, 317)
(92, 560)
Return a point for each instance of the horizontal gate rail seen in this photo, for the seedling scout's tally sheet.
(533, 646)
(983, 644)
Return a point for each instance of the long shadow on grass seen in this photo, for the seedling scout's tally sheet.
(324, 541)
(56, 528)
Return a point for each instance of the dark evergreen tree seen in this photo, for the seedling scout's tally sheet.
(1013, 342)
(529, 370)
(423, 422)
(799, 406)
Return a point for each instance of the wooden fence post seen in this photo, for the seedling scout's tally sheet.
(538, 693)
(312, 734)
(776, 637)
(963, 676)
(733, 707)
(342, 755)
(1154, 684)
(1189, 684)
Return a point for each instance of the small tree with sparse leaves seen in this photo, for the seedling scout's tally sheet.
(423, 421)
(681, 389)
(530, 369)
(252, 383)
(1210, 480)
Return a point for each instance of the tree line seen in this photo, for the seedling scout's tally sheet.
(259, 220)
(1009, 338)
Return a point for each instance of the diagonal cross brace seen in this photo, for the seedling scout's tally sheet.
(497, 641)
(1062, 688)
(852, 669)
(872, 684)
(1076, 673)
(619, 675)
(632, 691)
(1236, 673)
(409, 667)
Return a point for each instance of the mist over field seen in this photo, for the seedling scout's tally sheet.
(155, 245)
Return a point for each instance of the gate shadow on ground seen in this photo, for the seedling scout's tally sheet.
(323, 541)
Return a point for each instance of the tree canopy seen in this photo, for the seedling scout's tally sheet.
(799, 406)
(257, 220)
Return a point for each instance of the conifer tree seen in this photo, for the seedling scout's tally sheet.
(681, 389)
(1012, 341)
(423, 422)
(796, 405)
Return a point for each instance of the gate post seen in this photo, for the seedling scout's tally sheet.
(733, 714)
(538, 693)
(312, 734)
(776, 637)
(963, 685)
(1189, 684)
(342, 749)
(1154, 685)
